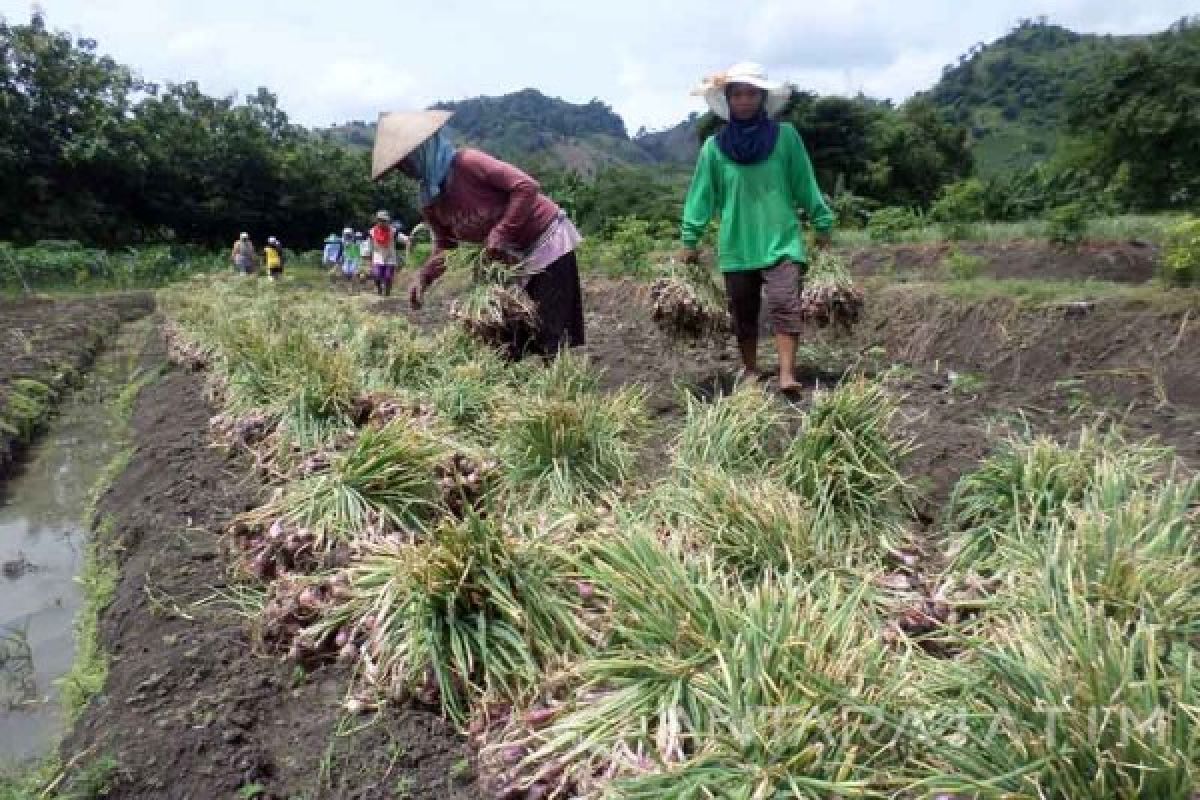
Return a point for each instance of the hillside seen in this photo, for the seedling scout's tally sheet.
(1011, 94)
(527, 127)
(676, 145)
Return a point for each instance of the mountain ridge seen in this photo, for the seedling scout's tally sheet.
(1010, 94)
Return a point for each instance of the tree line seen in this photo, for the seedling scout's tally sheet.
(89, 151)
(92, 152)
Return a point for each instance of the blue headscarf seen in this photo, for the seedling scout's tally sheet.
(748, 141)
(431, 161)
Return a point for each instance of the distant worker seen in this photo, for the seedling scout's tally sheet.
(468, 196)
(753, 175)
(383, 253)
(273, 255)
(331, 256)
(243, 255)
(364, 249)
(350, 255)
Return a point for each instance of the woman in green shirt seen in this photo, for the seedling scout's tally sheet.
(755, 175)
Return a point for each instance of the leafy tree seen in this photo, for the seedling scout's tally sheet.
(1142, 113)
(89, 152)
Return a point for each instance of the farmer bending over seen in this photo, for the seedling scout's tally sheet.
(755, 174)
(468, 196)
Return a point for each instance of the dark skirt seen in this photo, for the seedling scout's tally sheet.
(558, 296)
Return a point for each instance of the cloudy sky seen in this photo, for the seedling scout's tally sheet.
(334, 61)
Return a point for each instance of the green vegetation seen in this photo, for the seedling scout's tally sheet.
(1066, 225)
(91, 781)
(24, 407)
(91, 152)
(99, 581)
(737, 621)
(1057, 117)
(54, 265)
(1181, 255)
(892, 224)
(1012, 94)
(962, 266)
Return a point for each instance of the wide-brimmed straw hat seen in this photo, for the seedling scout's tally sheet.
(399, 133)
(712, 88)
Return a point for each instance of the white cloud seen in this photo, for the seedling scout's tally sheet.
(329, 63)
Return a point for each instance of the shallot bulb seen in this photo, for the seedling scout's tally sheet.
(310, 598)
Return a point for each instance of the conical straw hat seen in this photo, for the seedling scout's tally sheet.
(399, 133)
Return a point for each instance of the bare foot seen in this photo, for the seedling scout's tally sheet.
(792, 391)
(751, 376)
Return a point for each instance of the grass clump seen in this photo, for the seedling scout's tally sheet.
(717, 687)
(845, 462)
(25, 407)
(751, 526)
(1006, 507)
(1181, 255)
(570, 449)
(1131, 552)
(736, 433)
(385, 479)
(474, 613)
(1074, 704)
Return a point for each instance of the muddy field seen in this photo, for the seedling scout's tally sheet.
(968, 370)
(194, 709)
(50, 342)
(1120, 262)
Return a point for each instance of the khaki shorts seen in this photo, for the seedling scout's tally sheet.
(745, 290)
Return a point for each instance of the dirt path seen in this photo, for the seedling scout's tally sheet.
(1120, 262)
(191, 709)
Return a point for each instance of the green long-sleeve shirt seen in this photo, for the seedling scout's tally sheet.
(757, 204)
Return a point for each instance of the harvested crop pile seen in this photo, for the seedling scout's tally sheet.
(499, 316)
(377, 409)
(279, 550)
(184, 351)
(689, 303)
(829, 297)
(464, 481)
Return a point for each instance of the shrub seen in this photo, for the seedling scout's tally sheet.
(1067, 225)
(631, 243)
(851, 210)
(1181, 254)
(960, 207)
(890, 224)
(962, 266)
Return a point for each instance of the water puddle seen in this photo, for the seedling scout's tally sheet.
(42, 542)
